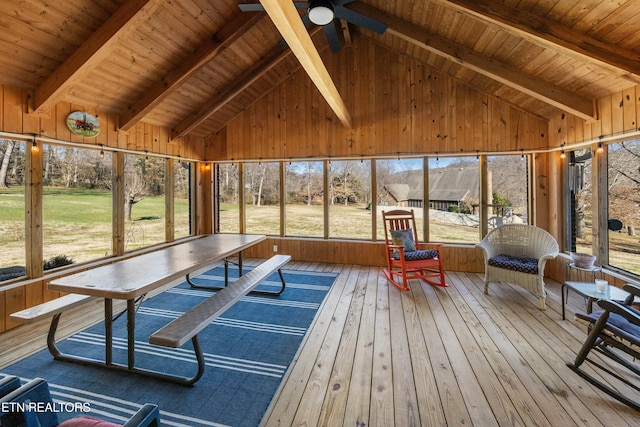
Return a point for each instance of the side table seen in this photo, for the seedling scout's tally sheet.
(588, 291)
(582, 274)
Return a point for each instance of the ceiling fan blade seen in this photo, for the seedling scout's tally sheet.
(332, 36)
(257, 7)
(251, 7)
(360, 19)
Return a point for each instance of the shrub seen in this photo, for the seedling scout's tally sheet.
(57, 261)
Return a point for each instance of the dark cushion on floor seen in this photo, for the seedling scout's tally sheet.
(509, 262)
(419, 254)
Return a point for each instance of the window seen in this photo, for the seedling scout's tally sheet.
(12, 209)
(579, 222)
(144, 204)
(262, 198)
(228, 198)
(76, 205)
(182, 200)
(400, 185)
(350, 199)
(623, 185)
(508, 184)
(304, 208)
(454, 199)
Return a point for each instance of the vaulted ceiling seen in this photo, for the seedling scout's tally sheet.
(193, 65)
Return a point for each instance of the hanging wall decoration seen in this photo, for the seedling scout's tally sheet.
(83, 124)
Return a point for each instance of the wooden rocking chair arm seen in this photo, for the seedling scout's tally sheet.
(632, 289)
(621, 309)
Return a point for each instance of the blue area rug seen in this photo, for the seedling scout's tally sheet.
(247, 350)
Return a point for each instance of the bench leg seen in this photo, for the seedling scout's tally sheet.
(217, 288)
(59, 355)
(226, 275)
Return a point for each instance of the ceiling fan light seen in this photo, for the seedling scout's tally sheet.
(321, 12)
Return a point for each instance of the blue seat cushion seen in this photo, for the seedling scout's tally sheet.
(625, 329)
(521, 264)
(417, 255)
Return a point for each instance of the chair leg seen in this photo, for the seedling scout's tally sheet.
(389, 275)
(542, 304)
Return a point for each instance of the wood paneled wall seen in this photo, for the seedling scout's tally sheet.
(618, 114)
(398, 106)
(14, 111)
(456, 258)
(14, 118)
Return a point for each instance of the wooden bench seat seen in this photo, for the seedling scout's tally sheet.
(187, 326)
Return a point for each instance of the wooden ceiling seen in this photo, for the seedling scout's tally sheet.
(193, 65)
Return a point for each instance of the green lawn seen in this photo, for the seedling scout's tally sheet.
(77, 224)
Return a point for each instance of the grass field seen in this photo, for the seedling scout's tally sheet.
(77, 224)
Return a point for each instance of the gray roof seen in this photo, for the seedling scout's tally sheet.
(453, 183)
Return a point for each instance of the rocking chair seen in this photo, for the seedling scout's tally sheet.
(407, 258)
(616, 326)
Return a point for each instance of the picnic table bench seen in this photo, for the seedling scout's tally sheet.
(188, 325)
(131, 279)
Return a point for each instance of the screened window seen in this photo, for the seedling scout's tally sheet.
(228, 198)
(454, 199)
(508, 183)
(350, 199)
(76, 205)
(304, 204)
(144, 203)
(579, 203)
(623, 173)
(400, 185)
(182, 201)
(262, 198)
(12, 209)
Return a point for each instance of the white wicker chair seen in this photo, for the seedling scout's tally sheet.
(521, 241)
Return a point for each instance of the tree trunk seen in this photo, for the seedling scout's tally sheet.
(5, 163)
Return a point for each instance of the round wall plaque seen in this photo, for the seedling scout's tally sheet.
(83, 124)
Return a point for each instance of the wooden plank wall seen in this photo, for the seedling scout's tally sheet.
(14, 104)
(455, 257)
(618, 115)
(398, 106)
(14, 118)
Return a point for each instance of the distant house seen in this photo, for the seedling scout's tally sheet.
(451, 186)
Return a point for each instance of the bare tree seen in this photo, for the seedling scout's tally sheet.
(6, 157)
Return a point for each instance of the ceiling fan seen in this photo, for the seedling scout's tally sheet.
(323, 13)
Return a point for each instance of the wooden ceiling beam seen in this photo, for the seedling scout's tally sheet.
(554, 35)
(234, 88)
(287, 20)
(239, 25)
(90, 53)
(237, 86)
(503, 73)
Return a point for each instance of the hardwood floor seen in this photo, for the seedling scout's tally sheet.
(436, 356)
(376, 356)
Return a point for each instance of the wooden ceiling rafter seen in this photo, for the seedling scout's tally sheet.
(241, 23)
(554, 35)
(91, 53)
(287, 20)
(466, 57)
(235, 87)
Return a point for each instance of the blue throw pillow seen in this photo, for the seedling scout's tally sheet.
(403, 238)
